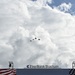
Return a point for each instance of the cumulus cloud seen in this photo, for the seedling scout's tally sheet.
(34, 52)
(22, 21)
(44, 2)
(64, 7)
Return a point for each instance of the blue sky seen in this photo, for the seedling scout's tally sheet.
(58, 2)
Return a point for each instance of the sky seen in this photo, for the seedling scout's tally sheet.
(58, 2)
(39, 32)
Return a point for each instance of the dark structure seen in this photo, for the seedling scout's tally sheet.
(72, 71)
(11, 65)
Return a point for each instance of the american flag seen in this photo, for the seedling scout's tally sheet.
(7, 72)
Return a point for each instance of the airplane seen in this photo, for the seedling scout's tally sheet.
(38, 39)
(34, 39)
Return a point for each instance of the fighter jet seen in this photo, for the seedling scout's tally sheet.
(34, 39)
(38, 39)
(30, 40)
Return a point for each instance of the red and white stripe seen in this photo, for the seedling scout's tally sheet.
(7, 72)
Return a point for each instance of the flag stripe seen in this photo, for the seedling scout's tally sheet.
(7, 72)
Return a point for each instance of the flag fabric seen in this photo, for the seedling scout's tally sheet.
(7, 72)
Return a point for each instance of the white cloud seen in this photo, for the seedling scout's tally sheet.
(64, 7)
(32, 52)
(55, 29)
(44, 2)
